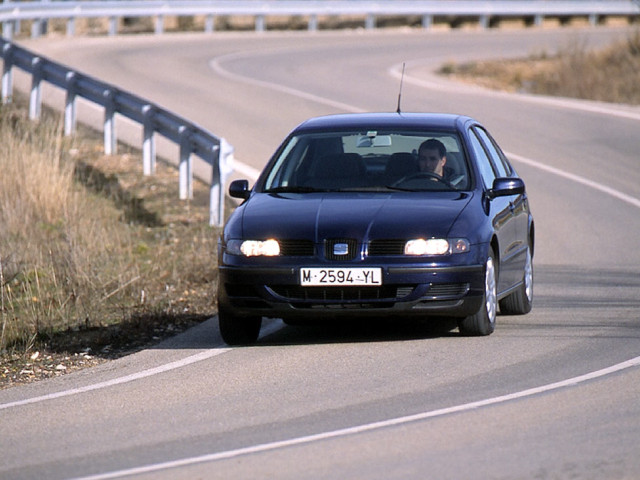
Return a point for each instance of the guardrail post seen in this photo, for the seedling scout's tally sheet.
(593, 19)
(484, 21)
(7, 75)
(313, 23)
(35, 97)
(185, 170)
(215, 187)
(71, 26)
(539, 20)
(7, 30)
(370, 21)
(260, 23)
(148, 142)
(36, 28)
(222, 164)
(113, 26)
(210, 23)
(427, 21)
(159, 24)
(70, 104)
(109, 128)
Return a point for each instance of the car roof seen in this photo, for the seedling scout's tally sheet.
(383, 120)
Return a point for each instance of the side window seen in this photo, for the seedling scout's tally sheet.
(484, 164)
(496, 155)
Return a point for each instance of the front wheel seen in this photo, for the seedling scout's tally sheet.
(237, 330)
(484, 321)
(520, 301)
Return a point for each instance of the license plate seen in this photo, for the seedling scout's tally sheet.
(315, 277)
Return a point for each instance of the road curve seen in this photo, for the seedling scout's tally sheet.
(553, 394)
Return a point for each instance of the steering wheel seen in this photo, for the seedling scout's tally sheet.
(430, 175)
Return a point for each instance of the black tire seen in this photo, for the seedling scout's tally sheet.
(520, 301)
(484, 321)
(237, 330)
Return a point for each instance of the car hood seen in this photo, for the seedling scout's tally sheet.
(351, 215)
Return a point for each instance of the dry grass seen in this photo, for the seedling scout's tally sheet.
(609, 75)
(91, 249)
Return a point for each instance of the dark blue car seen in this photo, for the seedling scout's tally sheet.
(378, 215)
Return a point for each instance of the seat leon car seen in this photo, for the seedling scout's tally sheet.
(389, 215)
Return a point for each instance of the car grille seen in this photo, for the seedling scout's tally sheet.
(296, 248)
(329, 248)
(438, 291)
(339, 294)
(376, 248)
(386, 247)
(248, 296)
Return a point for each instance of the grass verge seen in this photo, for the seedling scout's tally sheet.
(610, 75)
(96, 260)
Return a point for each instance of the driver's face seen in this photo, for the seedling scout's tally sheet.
(430, 160)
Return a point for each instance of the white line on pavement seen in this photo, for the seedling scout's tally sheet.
(435, 83)
(578, 179)
(216, 67)
(265, 447)
(198, 357)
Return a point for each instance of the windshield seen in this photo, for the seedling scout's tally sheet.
(369, 161)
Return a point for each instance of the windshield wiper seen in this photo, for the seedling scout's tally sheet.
(401, 189)
(404, 189)
(295, 189)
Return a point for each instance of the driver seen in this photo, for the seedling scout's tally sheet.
(432, 158)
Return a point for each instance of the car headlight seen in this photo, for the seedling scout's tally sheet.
(254, 248)
(436, 246)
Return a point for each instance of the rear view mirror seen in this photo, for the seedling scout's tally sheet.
(374, 141)
(504, 187)
(239, 189)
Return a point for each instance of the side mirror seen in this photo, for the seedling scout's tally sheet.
(504, 187)
(239, 189)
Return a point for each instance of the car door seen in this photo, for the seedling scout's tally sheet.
(502, 213)
(518, 203)
(520, 206)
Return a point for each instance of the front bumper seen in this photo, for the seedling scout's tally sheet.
(407, 290)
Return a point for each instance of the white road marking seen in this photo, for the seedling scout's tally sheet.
(599, 108)
(246, 170)
(265, 447)
(216, 67)
(578, 179)
(198, 357)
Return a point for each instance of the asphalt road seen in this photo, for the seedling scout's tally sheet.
(550, 395)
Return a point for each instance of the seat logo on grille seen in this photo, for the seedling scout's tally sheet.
(341, 249)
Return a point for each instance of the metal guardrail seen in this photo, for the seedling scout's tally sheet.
(39, 12)
(188, 136)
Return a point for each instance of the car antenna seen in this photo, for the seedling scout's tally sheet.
(400, 92)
